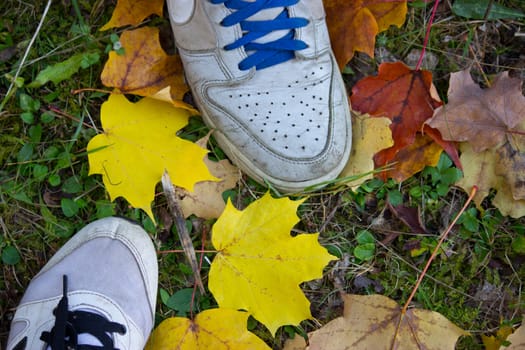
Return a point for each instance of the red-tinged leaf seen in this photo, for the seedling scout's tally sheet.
(400, 94)
(410, 217)
(413, 158)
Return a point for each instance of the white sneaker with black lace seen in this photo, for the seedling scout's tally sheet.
(97, 292)
(263, 75)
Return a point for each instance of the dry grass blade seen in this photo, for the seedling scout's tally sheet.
(434, 253)
(184, 236)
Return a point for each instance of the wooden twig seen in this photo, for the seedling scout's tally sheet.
(180, 223)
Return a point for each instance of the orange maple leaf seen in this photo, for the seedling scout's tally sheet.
(402, 95)
(144, 68)
(353, 25)
(414, 158)
(133, 12)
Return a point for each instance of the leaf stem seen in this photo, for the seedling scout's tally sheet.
(69, 116)
(516, 132)
(427, 35)
(434, 253)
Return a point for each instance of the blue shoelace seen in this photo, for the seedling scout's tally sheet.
(263, 55)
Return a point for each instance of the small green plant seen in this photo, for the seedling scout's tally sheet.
(9, 253)
(180, 301)
(381, 190)
(366, 246)
(440, 179)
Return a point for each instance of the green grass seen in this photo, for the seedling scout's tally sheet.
(46, 194)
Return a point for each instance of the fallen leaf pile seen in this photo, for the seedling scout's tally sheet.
(403, 96)
(140, 139)
(490, 123)
(259, 265)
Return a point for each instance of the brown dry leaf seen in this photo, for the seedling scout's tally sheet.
(369, 136)
(482, 117)
(166, 96)
(133, 12)
(145, 68)
(206, 200)
(511, 166)
(410, 216)
(297, 343)
(375, 322)
(414, 158)
(353, 25)
(516, 339)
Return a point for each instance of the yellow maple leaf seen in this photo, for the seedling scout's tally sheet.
(492, 342)
(214, 329)
(376, 322)
(259, 265)
(369, 136)
(139, 142)
(206, 200)
(481, 169)
(133, 12)
(506, 204)
(478, 169)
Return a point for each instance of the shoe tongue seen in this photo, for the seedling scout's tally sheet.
(267, 15)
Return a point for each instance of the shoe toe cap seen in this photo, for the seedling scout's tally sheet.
(292, 129)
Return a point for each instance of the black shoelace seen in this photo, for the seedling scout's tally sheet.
(69, 324)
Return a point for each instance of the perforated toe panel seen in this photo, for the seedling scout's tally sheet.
(290, 118)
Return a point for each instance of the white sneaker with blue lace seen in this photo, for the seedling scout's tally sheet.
(97, 292)
(264, 77)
